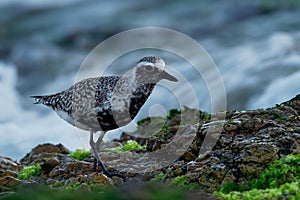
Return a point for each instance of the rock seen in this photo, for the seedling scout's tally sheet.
(248, 141)
(32, 184)
(174, 121)
(117, 181)
(9, 173)
(109, 145)
(258, 153)
(176, 169)
(100, 180)
(49, 165)
(69, 167)
(9, 170)
(8, 164)
(9, 183)
(84, 187)
(125, 137)
(254, 124)
(232, 126)
(5, 194)
(47, 150)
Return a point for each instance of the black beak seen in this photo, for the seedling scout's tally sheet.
(167, 76)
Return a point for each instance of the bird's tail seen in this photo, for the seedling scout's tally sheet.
(40, 99)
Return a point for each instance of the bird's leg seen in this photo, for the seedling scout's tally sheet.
(95, 147)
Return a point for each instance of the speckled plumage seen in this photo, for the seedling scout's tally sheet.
(108, 102)
(88, 103)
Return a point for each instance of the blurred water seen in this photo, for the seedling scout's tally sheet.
(42, 45)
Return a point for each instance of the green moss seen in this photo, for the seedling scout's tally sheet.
(29, 171)
(58, 184)
(182, 183)
(159, 177)
(262, 111)
(285, 170)
(280, 178)
(204, 116)
(162, 132)
(227, 187)
(278, 118)
(291, 189)
(80, 154)
(140, 122)
(172, 113)
(130, 145)
(73, 187)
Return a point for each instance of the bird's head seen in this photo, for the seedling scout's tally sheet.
(152, 69)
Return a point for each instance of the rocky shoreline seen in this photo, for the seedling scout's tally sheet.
(245, 143)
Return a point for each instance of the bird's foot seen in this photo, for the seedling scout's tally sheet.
(168, 165)
(105, 171)
(110, 175)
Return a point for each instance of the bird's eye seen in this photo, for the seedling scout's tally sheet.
(148, 67)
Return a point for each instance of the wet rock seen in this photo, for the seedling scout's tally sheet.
(9, 170)
(69, 167)
(47, 150)
(32, 184)
(232, 125)
(258, 153)
(125, 137)
(176, 169)
(248, 141)
(9, 183)
(8, 164)
(109, 145)
(84, 187)
(9, 173)
(100, 180)
(49, 165)
(174, 121)
(117, 181)
(5, 194)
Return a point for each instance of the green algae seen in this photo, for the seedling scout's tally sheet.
(182, 183)
(280, 178)
(159, 177)
(29, 171)
(130, 145)
(80, 154)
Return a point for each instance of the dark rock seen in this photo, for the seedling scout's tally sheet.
(49, 150)
(9, 183)
(49, 165)
(100, 180)
(8, 164)
(9, 170)
(69, 167)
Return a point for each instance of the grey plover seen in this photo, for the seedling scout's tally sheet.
(108, 102)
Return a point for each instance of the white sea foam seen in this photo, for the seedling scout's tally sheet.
(280, 90)
(21, 130)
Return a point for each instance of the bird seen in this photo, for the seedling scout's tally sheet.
(105, 103)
